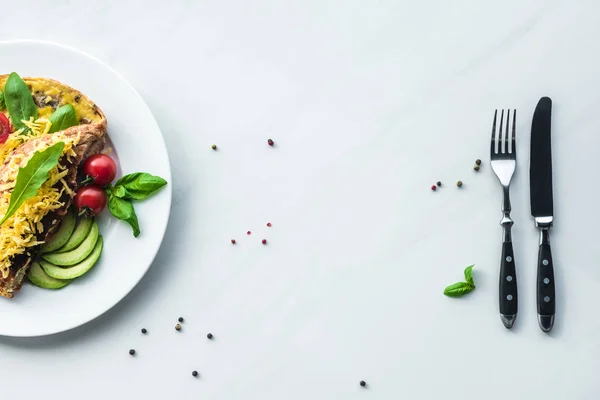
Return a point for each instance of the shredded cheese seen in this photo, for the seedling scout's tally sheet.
(19, 232)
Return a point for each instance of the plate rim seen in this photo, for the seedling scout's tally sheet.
(110, 305)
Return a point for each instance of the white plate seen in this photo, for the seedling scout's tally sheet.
(139, 146)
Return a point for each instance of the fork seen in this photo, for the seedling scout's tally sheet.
(504, 162)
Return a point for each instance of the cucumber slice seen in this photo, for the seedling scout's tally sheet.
(75, 271)
(77, 255)
(79, 234)
(62, 235)
(38, 277)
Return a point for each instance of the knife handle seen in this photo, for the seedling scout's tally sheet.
(546, 295)
(509, 299)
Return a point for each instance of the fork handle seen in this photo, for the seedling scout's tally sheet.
(509, 299)
(546, 294)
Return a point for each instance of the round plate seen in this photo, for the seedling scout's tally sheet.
(139, 147)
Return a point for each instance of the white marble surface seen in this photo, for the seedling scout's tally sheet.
(369, 103)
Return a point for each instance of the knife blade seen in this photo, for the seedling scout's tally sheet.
(542, 208)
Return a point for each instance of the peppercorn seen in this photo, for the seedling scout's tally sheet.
(131, 352)
(214, 146)
(363, 383)
(144, 330)
(264, 241)
(439, 183)
(433, 187)
(194, 373)
(478, 162)
(249, 233)
(177, 327)
(210, 336)
(476, 167)
(459, 183)
(180, 319)
(232, 241)
(269, 224)
(270, 142)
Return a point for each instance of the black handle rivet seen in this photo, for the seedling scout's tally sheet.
(545, 262)
(546, 281)
(509, 297)
(547, 299)
(509, 278)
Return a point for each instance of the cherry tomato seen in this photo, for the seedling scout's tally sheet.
(90, 199)
(4, 128)
(101, 168)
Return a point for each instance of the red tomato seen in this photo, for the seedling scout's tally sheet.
(90, 199)
(101, 168)
(4, 128)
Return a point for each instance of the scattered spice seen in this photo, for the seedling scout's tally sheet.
(271, 142)
(214, 146)
(269, 224)
(459, 183)
(180, 319)
(478, 162)
(264, 241)
(131, 352)
(363, 383)
(439, 183)
(476, 167)
(210, 336)
(194, 373)
(232, 241)
(249, 233)
(433, 187)
(177, 327)
(144, 331)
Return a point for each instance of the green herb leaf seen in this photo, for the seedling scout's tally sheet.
(64, 117)
(18, 100)
(458, 289)
(2, 102)
(123, 210)
(469, 275)
(138, 186)
(32, 176)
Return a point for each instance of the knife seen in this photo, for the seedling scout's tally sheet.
(540, 186)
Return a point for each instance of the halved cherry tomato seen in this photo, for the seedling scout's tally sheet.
(100, 168)
(90, 199)
(4, 128)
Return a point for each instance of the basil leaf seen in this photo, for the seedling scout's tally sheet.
(2, 102)
(19, 101)
(123, 210)
(32, 176)
(138, 186)
(458, 289)
(63, 118)
(469, 275)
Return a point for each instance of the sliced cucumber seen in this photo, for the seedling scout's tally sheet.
(75, 271)
(79, 234)
(77, 255)
(62, 235)
(38, 277)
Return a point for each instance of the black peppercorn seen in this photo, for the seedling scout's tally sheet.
(180, 319)
(478, 162)
(210, 336)
(177, 327)
(194, 373)
(476, 167)
(144, 330)
(214, 146)
(439, 183)
(363, 383)
(459, 183)
(131, 352)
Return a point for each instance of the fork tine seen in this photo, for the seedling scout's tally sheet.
(507, 138)
(501, 138)
(514, 132)
(493, 151)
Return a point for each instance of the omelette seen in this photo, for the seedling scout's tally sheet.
(23, 233)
